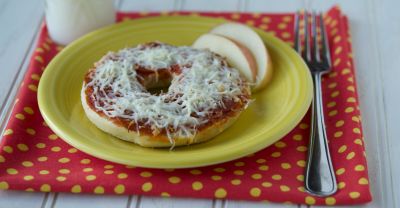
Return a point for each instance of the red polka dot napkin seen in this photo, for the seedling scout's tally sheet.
(33, 158)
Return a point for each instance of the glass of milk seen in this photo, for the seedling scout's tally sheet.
(67, 20)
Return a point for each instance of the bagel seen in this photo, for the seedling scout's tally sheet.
(202, 95)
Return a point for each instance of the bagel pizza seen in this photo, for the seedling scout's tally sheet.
(201, 94)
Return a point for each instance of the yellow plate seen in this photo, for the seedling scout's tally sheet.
(276, 110)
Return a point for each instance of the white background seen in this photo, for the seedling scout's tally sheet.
(375, 27)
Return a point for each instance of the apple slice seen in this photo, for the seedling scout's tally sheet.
(236, 54)
(247, 37)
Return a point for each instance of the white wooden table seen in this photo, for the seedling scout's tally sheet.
(376, 41)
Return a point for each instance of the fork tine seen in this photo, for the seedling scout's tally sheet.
(326, 55)
(307, 53)
(297, 40)
(314, 35)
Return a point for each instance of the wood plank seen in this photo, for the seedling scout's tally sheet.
(17, 199)
(388, 43)
(245, 204)
(372, 72)
(155, 202)
(211, 5)
(67, 200)
(19, 20)
(274, 6)
(148, 5)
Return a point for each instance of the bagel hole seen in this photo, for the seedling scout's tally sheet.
(158, 86)
(158, 90)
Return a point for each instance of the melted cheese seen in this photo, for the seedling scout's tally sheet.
(201, 87)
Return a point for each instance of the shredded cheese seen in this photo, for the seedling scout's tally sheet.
(204, 82)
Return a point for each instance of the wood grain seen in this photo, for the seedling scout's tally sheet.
(19, 21)
(16, 36)
(66, 200)
(388, 51)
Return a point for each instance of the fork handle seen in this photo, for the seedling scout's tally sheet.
(320, 177)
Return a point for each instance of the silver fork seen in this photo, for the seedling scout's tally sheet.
(319, 177)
